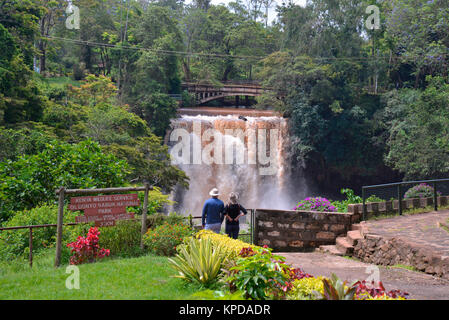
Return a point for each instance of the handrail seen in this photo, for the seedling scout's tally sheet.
(399, 191)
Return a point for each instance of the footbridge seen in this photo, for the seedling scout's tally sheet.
(205, 92)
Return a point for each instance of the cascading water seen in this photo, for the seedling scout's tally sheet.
(247, 155)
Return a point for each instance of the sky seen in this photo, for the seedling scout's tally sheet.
(271, 12)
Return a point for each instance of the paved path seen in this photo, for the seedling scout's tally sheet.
(422, 229)
(419, 285)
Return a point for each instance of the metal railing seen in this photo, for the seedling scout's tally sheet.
(251, 213)
(399, 191)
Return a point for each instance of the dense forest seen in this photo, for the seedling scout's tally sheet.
(364, 104)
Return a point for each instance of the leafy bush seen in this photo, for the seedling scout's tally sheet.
(315, 204)
(352, 198)
(87, 250)
(336, 289)
(422, 190)
(164, 239)
(20, 141)
(232, 246)
(157, 219)
(303, 289)
(14, 243)
(32, 179)
(123, 239)
(199, 261)
(260, 275)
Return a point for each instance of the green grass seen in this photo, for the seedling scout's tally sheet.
(403, 266)
(147, 277)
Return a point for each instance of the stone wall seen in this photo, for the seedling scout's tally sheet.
(378, 208)
(383, 251)
(290, 231)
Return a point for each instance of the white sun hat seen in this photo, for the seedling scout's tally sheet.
(214, 192)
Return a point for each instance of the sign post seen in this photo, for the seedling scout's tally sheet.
(144, 215)
(104, 210)
(59, 227)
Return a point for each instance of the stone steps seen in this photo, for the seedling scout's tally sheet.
(344, 246)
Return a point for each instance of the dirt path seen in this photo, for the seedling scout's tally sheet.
(419, 285)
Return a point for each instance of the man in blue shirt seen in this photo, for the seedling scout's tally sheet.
(212, 216)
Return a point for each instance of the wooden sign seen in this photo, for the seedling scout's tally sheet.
(104, 210)
(103, 206)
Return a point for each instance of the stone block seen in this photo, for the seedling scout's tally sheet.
(298, 225)
(283, 225)
(296, 244)
(273, 233)
(323, 235)
(266, 224)
(337, 228)
(442, 201)
(280, 244)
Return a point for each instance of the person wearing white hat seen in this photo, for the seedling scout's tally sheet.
(212, 216)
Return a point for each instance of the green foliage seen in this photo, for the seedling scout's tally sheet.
(15, 243)
(20, 96)
(92, 112)
(163, 239)
(259, 276)
(27, 140)
(352, 198)
(32, 179)
(157, 109)
(335, 289)
(303, 289)
(158, 219)
(123, 239)
(218, 295)
(418, 132)
(199, 261)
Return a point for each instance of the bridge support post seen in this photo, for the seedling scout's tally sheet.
(237, 101)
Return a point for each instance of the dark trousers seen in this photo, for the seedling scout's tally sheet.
(232, 230)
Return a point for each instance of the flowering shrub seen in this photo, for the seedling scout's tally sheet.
(315, 204)
(164, 239)
(87, 249)
(422, 190)
(373, 291)
(233, 247)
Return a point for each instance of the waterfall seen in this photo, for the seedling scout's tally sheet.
(248, 155)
